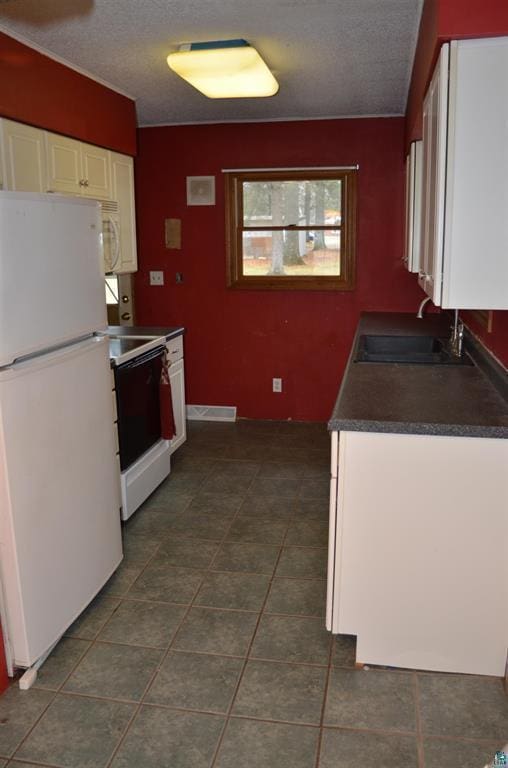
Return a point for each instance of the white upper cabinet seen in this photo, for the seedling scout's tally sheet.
(96, 171)
(33, 160)
(122, 171)
(464, 238)
(413, 207)
(24, 157)
(77, 169)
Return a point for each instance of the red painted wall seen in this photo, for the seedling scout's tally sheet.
(472, 18)
(40, 91)
(238, 340)
(444, 20)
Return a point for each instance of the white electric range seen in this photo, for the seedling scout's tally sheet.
(144, 455)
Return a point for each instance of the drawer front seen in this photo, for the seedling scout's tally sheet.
(175, 349)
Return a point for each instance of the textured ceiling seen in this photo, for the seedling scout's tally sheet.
(332, 58)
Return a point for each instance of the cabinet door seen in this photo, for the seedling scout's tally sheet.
(122, 168)
(96, 172)
(177, 380)
(413, 206)
(24, 154)
(434, 178)
(476, 232)
(64, 172)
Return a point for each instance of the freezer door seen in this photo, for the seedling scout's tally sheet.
(60, 537)
(51, 281)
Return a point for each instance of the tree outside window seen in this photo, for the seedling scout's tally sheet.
(291, 229)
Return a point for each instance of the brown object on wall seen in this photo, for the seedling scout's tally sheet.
(173, 233)
(40, 91)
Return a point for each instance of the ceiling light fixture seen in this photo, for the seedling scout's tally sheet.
(224, 69)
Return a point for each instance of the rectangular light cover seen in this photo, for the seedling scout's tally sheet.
(226, 69)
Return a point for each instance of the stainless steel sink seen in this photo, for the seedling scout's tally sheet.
(406, 349)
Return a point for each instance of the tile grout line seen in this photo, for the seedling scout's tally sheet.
(247, 655)
(323, 706)
(167, 651)
(55, 693)
(418, 718)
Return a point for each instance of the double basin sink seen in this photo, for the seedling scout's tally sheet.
(407, 349)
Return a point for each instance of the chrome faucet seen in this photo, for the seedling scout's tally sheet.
(419, 314)
(457, 336)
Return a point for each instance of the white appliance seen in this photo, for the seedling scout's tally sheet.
(145, 456)
(60, 536)
(110, 226)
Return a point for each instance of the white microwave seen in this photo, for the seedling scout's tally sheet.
(110, 235)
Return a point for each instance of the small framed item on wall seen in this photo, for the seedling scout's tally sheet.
(200, 190)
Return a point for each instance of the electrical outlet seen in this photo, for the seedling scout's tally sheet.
(276, 385)
(157, 277)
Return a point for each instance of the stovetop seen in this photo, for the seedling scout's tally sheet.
(124, 349)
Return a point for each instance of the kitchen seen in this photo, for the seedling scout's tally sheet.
(237, 341)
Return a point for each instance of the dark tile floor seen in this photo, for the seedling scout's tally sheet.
(208, 648)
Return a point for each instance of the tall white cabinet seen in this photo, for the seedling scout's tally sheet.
(464, 233)
(122, 182)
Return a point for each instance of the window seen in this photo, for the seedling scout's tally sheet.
(112, 299)
(291, 229)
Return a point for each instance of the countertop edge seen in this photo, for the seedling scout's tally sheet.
(417, 428)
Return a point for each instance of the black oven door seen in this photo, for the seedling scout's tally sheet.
(138, 405)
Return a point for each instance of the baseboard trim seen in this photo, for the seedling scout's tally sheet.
(211, 412)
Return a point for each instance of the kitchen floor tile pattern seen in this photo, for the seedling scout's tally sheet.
(207, 648)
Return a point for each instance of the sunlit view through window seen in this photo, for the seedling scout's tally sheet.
(111, 286)
(309, 205)
(287, 230)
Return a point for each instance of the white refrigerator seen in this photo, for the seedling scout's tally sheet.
(60, 537)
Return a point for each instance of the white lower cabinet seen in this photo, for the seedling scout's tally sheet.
(417, 554)
(177, 381)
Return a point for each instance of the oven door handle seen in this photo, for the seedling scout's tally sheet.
(141, 359)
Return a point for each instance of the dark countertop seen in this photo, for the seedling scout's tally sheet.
(417, 399)
(145, 332)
